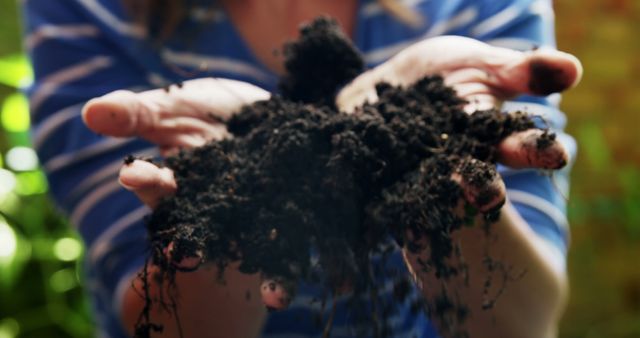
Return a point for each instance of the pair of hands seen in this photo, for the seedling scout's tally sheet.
(195, 113)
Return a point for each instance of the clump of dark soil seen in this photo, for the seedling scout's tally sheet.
(299, 174)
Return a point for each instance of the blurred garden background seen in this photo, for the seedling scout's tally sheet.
(41, 291)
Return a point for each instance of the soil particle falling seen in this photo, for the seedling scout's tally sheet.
(299, 174)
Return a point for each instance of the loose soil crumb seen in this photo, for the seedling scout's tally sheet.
(299, 174)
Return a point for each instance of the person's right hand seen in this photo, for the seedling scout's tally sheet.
(181, 116)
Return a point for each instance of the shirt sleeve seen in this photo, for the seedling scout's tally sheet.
(75, 58)
(539, 196)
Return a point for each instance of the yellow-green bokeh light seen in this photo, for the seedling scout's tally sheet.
(22, 159)
(63, 280)
(7, 182)
(67, 249)
(9, 241)
(9, 328)
(30, 183)
(15, 113)
(16, 71)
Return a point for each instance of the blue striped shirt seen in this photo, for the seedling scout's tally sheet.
(87, 48)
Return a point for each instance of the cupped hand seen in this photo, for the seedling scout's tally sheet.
(484, 76)
(181, 116)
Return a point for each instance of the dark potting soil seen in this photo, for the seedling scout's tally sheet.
(298, 174)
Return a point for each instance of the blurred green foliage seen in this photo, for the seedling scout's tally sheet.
(604, 207)
(40, 280)
(41, 291)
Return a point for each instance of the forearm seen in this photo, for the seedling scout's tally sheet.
(531, 300)
(205, 307)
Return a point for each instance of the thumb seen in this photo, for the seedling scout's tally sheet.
(124, 113)
(120, 113)
(540, 72)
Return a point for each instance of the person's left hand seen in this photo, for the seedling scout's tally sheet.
(482, 74)
(486, 76)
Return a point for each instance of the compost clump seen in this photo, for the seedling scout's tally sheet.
(300, 176)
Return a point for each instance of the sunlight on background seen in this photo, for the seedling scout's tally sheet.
(8, 240)
(41, 291)
(67, 249)
(16, 71)
(7, 182)
(15, 113)
(9, 328)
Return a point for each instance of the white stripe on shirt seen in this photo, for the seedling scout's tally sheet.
(213, 63)
(111, 20)
(53, 122)
(158, 80)
(544, 9)
(67, 159)
(374, 8)
(443, 27)
(207, 15)
(541, 205)
(103, 243)
(501, 19)
(91, 200)
(110, 170)
(458, 21)
(51, 83)
(45, 32)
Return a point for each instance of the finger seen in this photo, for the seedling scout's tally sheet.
(481, 185)
(359, 91)
(481, 102)
(534, 148)
(168, 151)
(466, 75)
(171, 143)
(149, 182)
(175, 140)
(277, 292)
(195, 126)
(478, 96)
(124, 113)
(540, 72)
(120, 114)
(465, 90)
